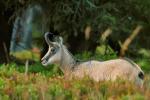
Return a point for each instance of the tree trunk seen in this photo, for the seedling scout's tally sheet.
(4, 39)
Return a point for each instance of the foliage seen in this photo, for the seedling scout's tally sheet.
(49, 83)
(71, 17)
(121, 16)
(14, 84)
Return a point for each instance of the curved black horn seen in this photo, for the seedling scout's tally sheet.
(47, 36)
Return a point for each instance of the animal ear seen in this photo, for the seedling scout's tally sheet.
(60, 40)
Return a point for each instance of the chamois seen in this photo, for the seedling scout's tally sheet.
(123, 68)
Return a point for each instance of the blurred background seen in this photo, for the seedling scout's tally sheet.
(91, 29)
(97, 29)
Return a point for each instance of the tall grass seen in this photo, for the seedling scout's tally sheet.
(38, 84)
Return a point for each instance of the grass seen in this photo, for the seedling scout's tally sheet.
(48, 83)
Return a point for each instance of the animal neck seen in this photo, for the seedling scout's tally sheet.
(67, 61)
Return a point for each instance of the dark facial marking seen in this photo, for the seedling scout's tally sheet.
(54, 50)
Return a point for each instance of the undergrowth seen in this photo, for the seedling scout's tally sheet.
(49, 83)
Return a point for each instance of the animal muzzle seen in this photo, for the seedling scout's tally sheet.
(44, 61)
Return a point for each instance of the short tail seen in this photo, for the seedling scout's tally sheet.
(141, 75)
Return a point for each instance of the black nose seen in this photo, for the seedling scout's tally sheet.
(141, 75)
(44, 61)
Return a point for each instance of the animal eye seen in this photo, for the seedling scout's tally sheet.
(53, 50)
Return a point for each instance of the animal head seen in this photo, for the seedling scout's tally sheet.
(53, 55)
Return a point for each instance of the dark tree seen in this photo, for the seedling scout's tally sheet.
(5, 32)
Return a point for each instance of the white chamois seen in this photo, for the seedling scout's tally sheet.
(96, 70)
